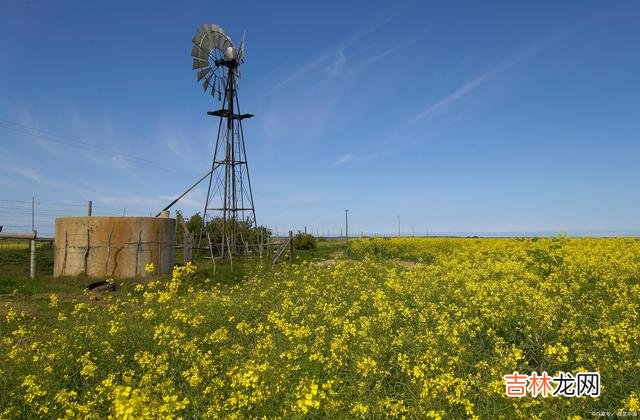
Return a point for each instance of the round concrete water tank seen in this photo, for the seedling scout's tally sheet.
(114, 246)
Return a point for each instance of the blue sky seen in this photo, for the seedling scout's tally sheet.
(458, 117)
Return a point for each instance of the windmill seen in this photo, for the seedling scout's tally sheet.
(229, 195)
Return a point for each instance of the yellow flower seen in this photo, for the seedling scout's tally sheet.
(32, 390)
(359, 409)
(632, 402)
(88, 367)
(366, 366)
(11, 315)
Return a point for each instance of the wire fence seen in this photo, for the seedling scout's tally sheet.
(18, 216)
(25, 215)
(336, 232)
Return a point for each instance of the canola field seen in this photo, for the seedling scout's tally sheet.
(400, 328)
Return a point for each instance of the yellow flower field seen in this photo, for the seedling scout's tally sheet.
(415, 328)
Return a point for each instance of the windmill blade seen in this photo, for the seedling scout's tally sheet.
(241, 49)
(211, 36)
(199, 63)
(223, 83)
(211, 43)
(205, 84)
(212, 27)
(213, 86)
(204, 73)
(200, 41)
(197, 38)
(198, 52)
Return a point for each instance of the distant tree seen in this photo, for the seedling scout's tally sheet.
(244, 229)
(195, 223)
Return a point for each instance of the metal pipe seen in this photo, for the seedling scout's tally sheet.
(10, 235)
(187, 191)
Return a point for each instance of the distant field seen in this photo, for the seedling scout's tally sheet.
(406, 327)
(7, 244)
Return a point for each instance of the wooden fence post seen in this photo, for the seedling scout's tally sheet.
(187, 247)
(290, 246)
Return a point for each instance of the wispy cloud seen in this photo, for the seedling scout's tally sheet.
(25, 172)
(297, 198)
(129, 200)
(458, 94)
(393, 49)
(469, 87)
(187, 201)
(348, 158)
(305, 68)
(343, 159)
(21, 171)
(176, 140)
(329, 54)
(327, 79)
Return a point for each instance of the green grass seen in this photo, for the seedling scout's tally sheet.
(14, 267)
(325, 250)
(17, 286)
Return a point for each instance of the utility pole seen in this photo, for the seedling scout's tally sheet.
(32, 243)
(398, 226)
(346, 222)
(32, 260)
(90, 207)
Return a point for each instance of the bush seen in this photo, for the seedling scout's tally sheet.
(304, 241)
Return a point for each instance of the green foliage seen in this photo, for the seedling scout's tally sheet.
(14, 266)
(195, 223)
(304, 241)
(244, 229)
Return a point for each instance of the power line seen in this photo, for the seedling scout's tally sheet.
(36, 132)
(49, 203)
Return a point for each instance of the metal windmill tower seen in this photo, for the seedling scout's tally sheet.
(229, 195)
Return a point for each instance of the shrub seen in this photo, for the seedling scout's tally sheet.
(304, 241)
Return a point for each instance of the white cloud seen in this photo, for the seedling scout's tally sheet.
(337, 65)
(329, 54)
(186, 201)
(129, 200)
(23, 172)
(470, 86)
(456, 95)
(343, 159)
(346, 158)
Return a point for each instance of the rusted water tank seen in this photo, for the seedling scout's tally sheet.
(114, 246)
